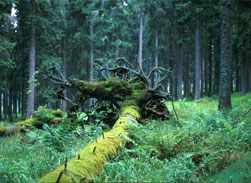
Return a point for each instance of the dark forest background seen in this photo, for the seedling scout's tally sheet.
(185, 36)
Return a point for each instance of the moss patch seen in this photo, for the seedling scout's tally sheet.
(112, 88)
(41, 116)
(2, 130)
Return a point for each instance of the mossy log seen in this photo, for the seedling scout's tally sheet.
(40, 117)
(89, 162)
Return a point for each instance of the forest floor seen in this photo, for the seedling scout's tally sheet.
(204, 145)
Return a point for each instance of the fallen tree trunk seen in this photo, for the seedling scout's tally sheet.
(132, 98)
(40, 117)
(89, 162)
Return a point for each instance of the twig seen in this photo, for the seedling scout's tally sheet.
(241, 117)
(59, 177)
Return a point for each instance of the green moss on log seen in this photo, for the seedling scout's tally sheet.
(89, 162)
(111, 88)
(2, 130)
(41, 116)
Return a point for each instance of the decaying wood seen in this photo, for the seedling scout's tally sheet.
(137, 99)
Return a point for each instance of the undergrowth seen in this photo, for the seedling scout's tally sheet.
(202, 143)
(24, 158)
(205, 145)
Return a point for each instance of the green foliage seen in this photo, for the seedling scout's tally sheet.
(238, 172)
(25, 158)
(201, 144)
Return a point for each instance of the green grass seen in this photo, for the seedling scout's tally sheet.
(238, 172)
(202, 143)
(24, 158)
(203, 146)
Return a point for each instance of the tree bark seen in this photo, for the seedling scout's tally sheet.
(31, 91)
(156, 54)
(15, 104)
(64, 104)
(210, 67)
(244, 73)
(226, 56)
(1, 117)
(202, 77)
(179, 74)
(23, 97)
(19, 104)
(91, 52)
(10, 104)
(117, 48)
(141, 27)
(187, 78)
(197, 58)
(206, 74)
(238, 74)
(217, 63)
(5, 103)
(249, 68)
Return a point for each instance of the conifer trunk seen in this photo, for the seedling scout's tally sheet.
(10, 104)
(179, 74)
(210, 67)
(187, 78)
(141, 27)
(91, 52)
(5, 103)
(156, 54)
(197, 59)
(226, 55)
(31, 91)
(64, 70)
(117, 48)
(1, 117)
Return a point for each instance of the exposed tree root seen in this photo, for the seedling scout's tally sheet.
(131, 94)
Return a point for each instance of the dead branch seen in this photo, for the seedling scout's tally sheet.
(241, 117)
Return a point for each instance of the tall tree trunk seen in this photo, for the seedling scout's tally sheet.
(206, 74)
(238, 74)
(249, 68)
(210, 67)
(10, 104)
(117, 48)
(226, 55)
(31, 92)
(217, 64)
(179, 74)
(156, 55)
(91, 52)
(23, 97)
(19, 104)
(141, 27)
(1, 117)
(171, 79)
(5, 103)
(197, 58)
(202, 77)
(187, 78)
(91, 101)
(64, 104)
(244, 73)
(15, 104)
